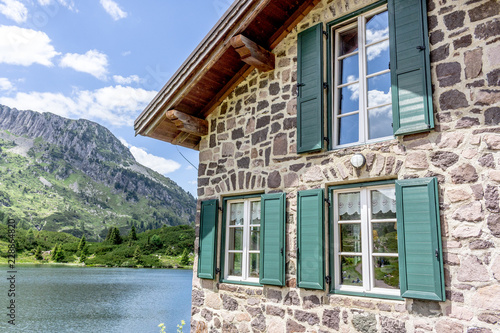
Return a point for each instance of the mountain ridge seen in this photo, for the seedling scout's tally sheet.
(85, 158)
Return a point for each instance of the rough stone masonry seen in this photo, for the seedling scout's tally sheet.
(252, 147)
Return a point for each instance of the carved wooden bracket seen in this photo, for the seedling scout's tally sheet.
(187, 123)
(252, 53)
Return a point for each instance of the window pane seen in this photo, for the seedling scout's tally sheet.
(348, 129)
(255, 211)
(348, 41)
(385, 237)
(386, 272)
(377, 57)
(350, 237)
(349, 69)
(383, 203)
(351, 269)
(379, 90)
(254, 238)
(349, 98)
(254, 265)
(235, 264)
(377, 27)
(349, 206)
(235, 238)
(379, 122)
(236, 214)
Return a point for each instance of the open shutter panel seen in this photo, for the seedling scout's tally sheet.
(410, 67)
(272, 239)
(208, 239)
(310, 89)
(419, 239)
(310, 238)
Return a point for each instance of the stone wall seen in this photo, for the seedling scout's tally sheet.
(251, 148)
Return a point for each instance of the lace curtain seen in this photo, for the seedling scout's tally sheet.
(381, 201)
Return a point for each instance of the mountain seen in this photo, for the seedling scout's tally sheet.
(76, 176)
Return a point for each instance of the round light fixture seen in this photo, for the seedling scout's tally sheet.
(358, 160)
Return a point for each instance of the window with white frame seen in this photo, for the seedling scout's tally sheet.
(365, 240)
(362, 110)
(242, 254)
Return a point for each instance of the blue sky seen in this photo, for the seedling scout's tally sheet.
(103, 60)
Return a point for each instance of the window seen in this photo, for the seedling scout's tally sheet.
(385, 239)
(362, 79)
(242, 240)
(365, 241)
(252, 247)
(378, 81)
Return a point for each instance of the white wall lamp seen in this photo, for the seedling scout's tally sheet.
(358, 160)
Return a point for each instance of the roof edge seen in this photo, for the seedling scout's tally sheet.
(180, 78)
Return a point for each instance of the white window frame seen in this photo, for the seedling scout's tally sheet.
(245, 260)
(366, 244)
(360, 22)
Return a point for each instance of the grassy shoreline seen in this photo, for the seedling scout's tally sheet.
(167, 262)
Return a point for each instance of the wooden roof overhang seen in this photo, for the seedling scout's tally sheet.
(238, 43)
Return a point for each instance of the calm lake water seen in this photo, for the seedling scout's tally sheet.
(77, 299)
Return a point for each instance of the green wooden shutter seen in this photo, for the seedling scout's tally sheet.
(272, 239)
(310, 89)
(310, 238)
(410, 67)
(419, 239)
(208, 239)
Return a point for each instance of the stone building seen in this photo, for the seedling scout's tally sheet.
(349, 165)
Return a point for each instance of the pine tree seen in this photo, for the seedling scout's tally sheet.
(185, 258)
(137, 254)
(54, 251)
(84, 253)
(82, 243)
(115, 237)
(108, 235)
(57, 253)
(38, 253)
(133, 234)
(30, 237)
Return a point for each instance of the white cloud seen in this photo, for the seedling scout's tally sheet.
(114, 105)
(126, 80)
(19, 46)
(377, 97)
(375, 35)
(375, 50)
(15, 10)
(5, 84)
(65, 3)
(158, 164)
(113, 9)
(92, 62)
(193, 182)
(126, 53)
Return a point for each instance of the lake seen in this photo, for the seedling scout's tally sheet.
(90, 299)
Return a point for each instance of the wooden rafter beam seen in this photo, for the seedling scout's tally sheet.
(187, 123)
(253, 54)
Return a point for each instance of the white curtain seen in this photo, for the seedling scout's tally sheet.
(237, 214)
(255, 212)
(383, 200)
(349, 203)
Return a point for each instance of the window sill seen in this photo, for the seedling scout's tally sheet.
(245, 283)
(364, 294)
(369, 143)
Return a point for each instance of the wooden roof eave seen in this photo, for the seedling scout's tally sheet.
(210, 49)
(236, 19)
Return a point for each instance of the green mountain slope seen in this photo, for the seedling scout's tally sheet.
(75, 176)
